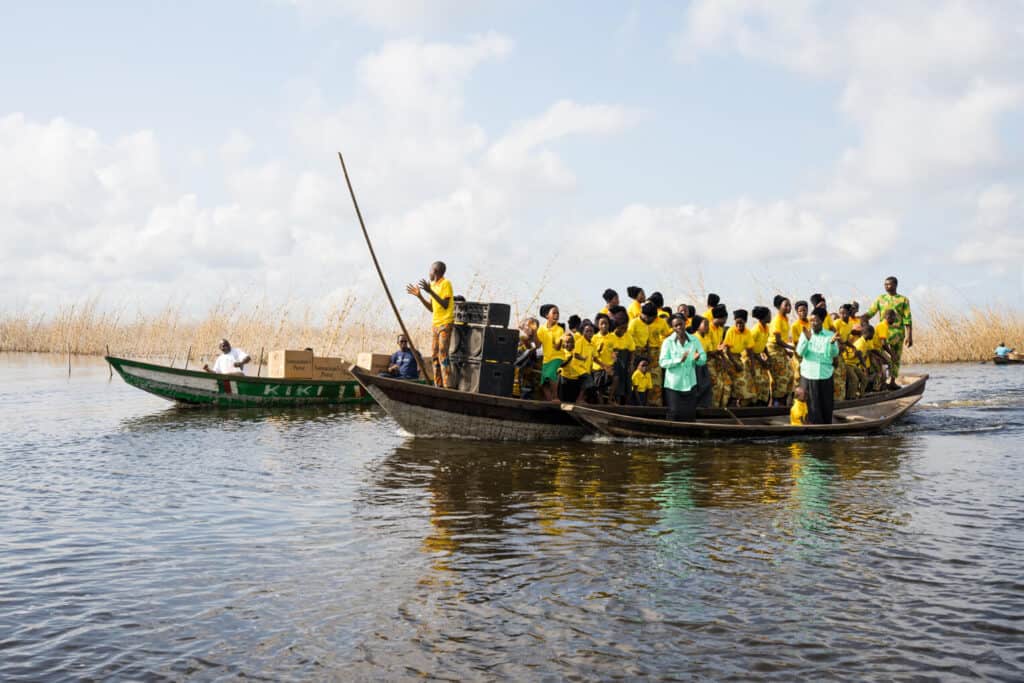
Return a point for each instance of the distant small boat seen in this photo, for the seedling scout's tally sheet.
(857, 420)
(1006, 360)
(195, 387)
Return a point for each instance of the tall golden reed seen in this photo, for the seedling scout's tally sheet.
(942, 334)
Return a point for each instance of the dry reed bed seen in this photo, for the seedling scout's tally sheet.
(941, 335)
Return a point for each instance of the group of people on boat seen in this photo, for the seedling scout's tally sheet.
(648, 353)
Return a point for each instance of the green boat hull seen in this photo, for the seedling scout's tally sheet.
(192, 387)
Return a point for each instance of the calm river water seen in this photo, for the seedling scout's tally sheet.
(140, 541)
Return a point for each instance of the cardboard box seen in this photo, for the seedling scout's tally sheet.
(374, 362)
(331, 369)
(290, 364)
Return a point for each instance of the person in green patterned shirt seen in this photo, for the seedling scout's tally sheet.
(903, 330)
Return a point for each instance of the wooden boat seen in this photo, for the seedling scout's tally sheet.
(911, 385)
(193, 387)
(432, 412)
(427, 411)
(857, 420)
(1007, 360)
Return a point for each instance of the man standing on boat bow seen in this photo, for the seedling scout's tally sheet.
(230, 361)
(442, 306)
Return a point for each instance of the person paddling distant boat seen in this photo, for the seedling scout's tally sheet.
(230, 361)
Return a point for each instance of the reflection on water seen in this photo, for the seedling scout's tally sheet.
(146, 542)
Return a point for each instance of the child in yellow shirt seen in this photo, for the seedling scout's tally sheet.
(798, 413)
(642, 382)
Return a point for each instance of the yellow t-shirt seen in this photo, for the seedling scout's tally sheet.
(634, 309)
(603, 351)
(759, 336)
(443, 315)
(716, 334)
(779, 326)
(709, 314)
(737, 342)
(705, 341)
(547, 336)
(640, 332)
(881, 334)
(828, 323)
(623, 343)
(864, 346)
(843, 328)
(797, 329)
(642, 382)
(658, 331)
(663, 315)
(798, 413)
(580, 360)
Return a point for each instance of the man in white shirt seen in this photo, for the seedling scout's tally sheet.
(230, 361)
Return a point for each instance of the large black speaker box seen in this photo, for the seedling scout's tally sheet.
(474, 342)
(476, 313)
(483, 378)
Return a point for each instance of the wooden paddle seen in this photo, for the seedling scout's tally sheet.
(733, 416)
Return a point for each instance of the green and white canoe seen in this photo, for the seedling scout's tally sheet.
(192, 387)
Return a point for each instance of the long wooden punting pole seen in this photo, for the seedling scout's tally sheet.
(380, 273)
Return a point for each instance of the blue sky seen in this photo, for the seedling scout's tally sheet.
(154, 151)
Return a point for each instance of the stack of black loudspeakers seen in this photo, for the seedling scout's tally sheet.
(483, 348)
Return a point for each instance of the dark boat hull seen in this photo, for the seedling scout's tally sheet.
(426, 411)
(860, 420)
(912, 386)
(431, 412)
(1003, 360)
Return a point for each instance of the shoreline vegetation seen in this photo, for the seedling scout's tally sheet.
(941, 334)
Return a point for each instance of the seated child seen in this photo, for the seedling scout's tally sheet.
(642, 382)
(798, 413)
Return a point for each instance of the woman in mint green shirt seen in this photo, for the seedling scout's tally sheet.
(817, 350)
(680, 356)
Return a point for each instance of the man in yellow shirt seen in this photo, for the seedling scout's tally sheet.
(442, 307)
